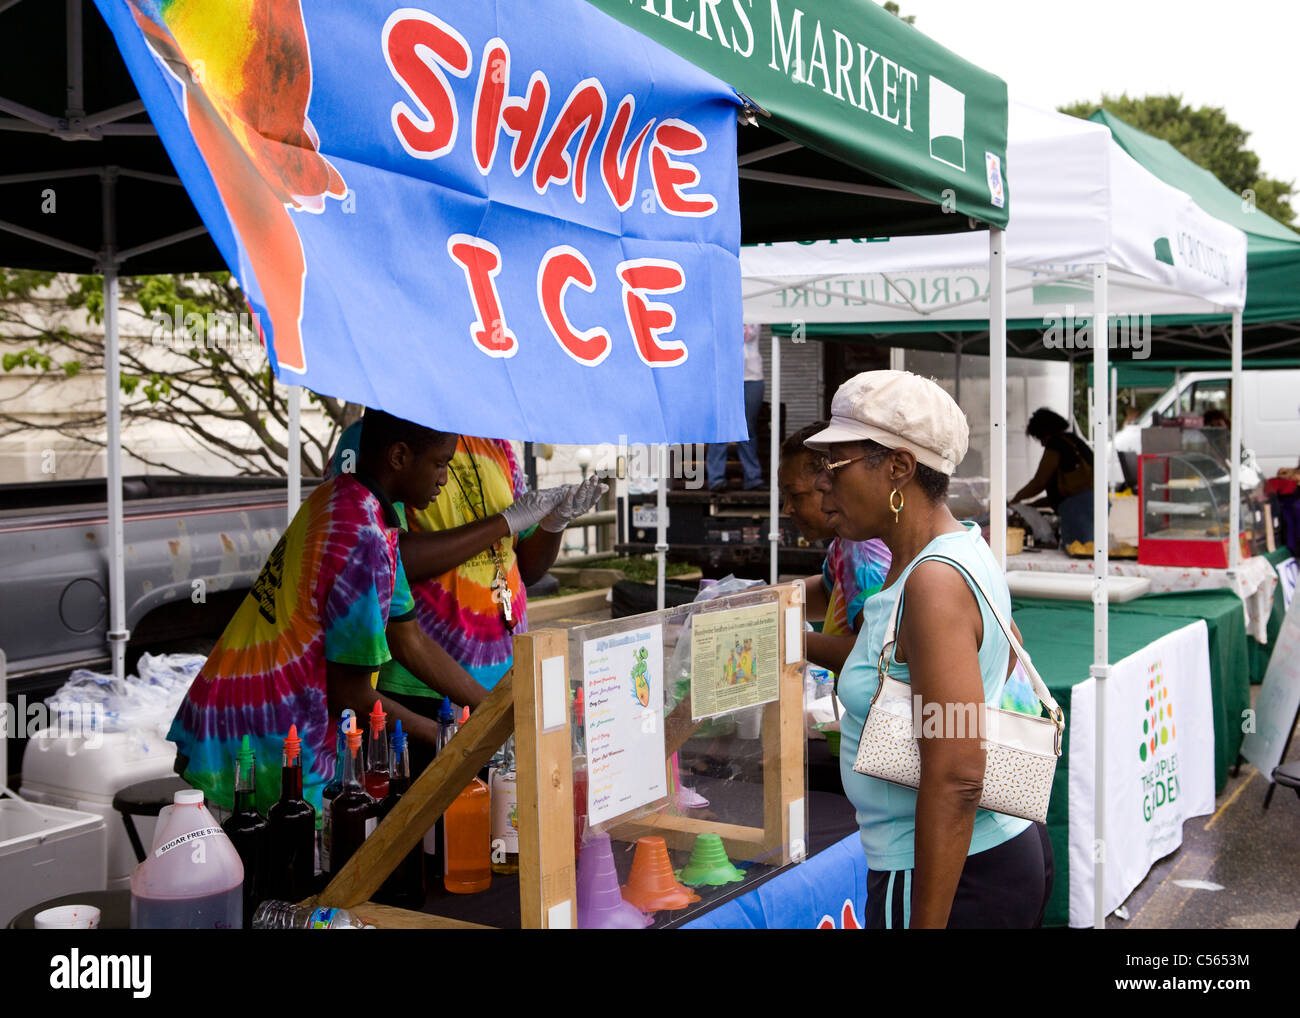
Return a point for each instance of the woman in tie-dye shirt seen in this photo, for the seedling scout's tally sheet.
(319, 621)
(852, 570)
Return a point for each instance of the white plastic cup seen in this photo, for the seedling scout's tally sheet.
(749, 722)
(68, 917)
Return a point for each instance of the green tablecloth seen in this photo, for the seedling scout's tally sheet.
(1058, 634)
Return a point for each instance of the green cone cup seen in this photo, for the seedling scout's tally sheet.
(709, 864)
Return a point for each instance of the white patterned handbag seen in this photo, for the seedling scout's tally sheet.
(1021, 750)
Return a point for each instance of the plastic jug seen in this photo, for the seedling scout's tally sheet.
(192, 878)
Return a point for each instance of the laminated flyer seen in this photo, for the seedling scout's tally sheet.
(623, 689)
(735, 659)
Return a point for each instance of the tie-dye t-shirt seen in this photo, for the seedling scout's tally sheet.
(326, 593)
(456, 609)
(852, 572)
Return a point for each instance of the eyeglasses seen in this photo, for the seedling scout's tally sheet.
(826, 465)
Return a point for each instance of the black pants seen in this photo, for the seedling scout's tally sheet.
(1006, 887)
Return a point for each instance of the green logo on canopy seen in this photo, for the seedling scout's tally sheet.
(1164, 253)
(947, 124)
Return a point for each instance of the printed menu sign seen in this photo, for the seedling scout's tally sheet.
(623, 689)
(734, 659)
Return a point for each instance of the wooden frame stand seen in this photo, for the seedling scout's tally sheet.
(532, 701)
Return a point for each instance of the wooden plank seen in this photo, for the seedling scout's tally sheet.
(387, 917)
(742, 843)
(544, 765)
(488, 727)
(678, 727)
(783, 741)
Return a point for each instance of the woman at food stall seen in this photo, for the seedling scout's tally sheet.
(852, 570)
(936, 859)
(1064, 474)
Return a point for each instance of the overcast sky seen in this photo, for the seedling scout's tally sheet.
(1242, 55)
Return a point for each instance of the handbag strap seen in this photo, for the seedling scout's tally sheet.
(891, 633)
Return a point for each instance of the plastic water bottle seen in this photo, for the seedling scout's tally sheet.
(284, 915)
(192, 878)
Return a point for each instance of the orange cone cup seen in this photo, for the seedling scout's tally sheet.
(651, 886)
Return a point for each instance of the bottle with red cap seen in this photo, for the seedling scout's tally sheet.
(291, 872)
(332, 790)
(379, 768)
(352, 816)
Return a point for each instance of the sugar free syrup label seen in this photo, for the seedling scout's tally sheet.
(202, 832)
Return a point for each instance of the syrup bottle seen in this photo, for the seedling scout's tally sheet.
(378, 765)
(467, 834)
(505, 812)
(405, 885)
(352, 817)
(291, 872)
(433, 839)
(333, 788)
(248, 831)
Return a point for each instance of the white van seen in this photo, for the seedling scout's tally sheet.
(1269, 404)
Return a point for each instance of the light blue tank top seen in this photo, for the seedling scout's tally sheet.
(886, 812)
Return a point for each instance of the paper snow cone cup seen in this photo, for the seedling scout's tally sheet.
(651, 886)
(600, 905)
(709, 864)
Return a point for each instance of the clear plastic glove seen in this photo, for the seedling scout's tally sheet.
(530, 507)
(577, 502)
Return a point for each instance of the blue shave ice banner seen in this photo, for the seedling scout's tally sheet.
(516, 219)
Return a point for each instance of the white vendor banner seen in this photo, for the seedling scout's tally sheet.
(1279, 697)
(1159, 746)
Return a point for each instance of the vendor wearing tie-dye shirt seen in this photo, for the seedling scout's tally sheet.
(330, 607)
(453, 552)
(852, 570)
(468, 557)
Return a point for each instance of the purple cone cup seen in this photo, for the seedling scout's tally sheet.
(600, 902)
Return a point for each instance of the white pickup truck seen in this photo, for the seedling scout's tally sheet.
(1269, 407)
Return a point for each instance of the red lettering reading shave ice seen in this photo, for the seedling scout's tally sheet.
(648, 320)
(418, 46)
(421, 51)
(561, 267)
(481, 261)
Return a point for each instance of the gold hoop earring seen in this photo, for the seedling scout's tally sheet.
(896, 509)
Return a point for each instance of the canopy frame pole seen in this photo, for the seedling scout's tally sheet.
(76, 67)
(1100, 559)
(118, 634)
(997, 394)
(774, 457)
(1236, 395)
(294, 494)
(837, 186)
(661, 530)
(1069, 413)
(770, 152)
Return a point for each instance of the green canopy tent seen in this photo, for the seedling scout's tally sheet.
(1271, 318)
(859, 125)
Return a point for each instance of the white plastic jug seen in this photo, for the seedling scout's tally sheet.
(192, 877)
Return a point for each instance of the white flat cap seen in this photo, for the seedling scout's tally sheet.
(899, 410)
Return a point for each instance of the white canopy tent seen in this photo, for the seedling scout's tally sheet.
(1093, 235)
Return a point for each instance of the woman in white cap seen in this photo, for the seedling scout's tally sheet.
(935, 858)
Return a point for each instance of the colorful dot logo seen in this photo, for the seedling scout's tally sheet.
(1158, 714)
